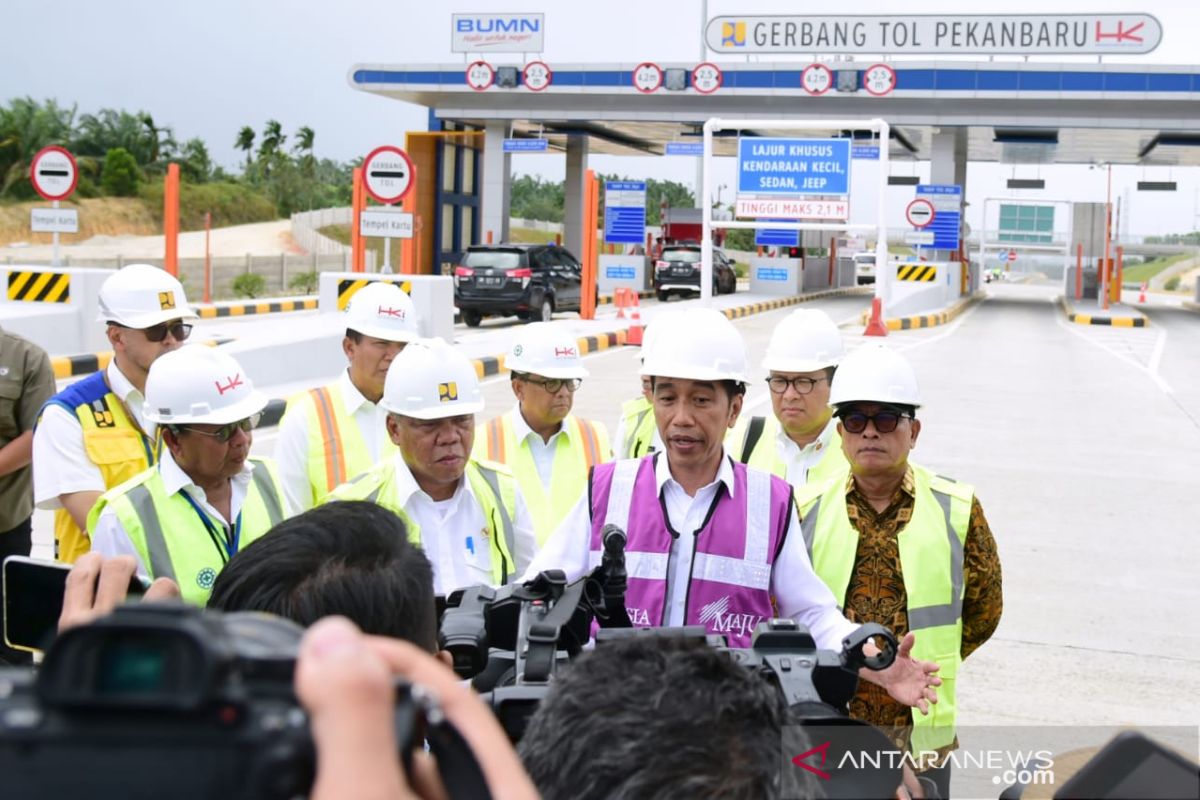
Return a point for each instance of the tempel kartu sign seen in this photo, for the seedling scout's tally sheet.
(768, 166)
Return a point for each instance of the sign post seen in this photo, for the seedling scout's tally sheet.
(54, 175)
(388, 176)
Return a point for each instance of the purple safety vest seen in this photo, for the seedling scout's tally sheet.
(729, 589)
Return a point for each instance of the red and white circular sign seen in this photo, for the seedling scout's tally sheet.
(707, 78)
(388, 174)
(879, 79)
(816, 79)
(480, 75)
(647, 77)
(920, 213)
(1012, 255)
(53, 173)
(537, 76)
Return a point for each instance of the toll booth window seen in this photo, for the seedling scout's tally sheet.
(448, 227)
(468, 225)
(468, 170)
(449, 166)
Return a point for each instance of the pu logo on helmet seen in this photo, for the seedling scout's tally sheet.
(388, 311)
(166, 300)
(234, 382)
(448, 392)
(564, 352)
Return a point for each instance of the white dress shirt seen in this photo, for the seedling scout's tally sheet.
(109, 537)
(798, 592)
(800, 460)
(60, 463)
(292, 446)
(542, 451)
(454, 533)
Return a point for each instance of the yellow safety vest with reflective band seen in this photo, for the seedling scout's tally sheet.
(336, 448)
(931, 560)
(584, 446)
(171, 539)
(764, 454)
(492, 484)
(638, 416)
(111, 440)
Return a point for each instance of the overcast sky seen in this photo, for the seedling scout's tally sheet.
(206, 69)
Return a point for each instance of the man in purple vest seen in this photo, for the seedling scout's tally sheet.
(710, 541)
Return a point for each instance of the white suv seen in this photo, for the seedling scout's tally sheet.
(864, 267)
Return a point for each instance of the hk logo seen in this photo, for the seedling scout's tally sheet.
(234, 383)
(1121, 34)
(391, 312)
(820, 750)
(719, 619)
(733, 34)
(166, 300)
(447, 392)
(564, 352)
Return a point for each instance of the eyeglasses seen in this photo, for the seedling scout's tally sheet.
(884, 421)
(779, 384)
(226, 432)
(180, 331)
(554, 385)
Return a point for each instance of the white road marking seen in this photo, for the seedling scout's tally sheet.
(1151, 371)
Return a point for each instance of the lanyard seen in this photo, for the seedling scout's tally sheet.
(227, 546)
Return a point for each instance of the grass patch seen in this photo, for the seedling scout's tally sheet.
(1147, 270)
(229, 203)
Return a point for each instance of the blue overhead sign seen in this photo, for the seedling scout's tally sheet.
(774, 237)
(947, 214)
(624, 212)
(793, 166)
(526, 145)
(685, 148)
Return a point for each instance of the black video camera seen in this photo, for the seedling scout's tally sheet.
(162, 700)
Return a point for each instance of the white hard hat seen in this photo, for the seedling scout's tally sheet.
(661, 320)
(384, 311)
(198, 383)
(806, 340)
(142, 296)
(699, 344)
(429, 379)
(546, 349)
(875, 373)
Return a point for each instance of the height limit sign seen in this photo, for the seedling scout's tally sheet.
(388, 174)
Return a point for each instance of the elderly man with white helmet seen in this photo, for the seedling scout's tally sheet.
(334, 432)
(900, 545)
(467, 515)
(92, 435)
(186, 516)
(549, 450)
(797, 441)
(710, 542)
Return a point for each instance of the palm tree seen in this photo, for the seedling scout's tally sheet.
(272, 143)
(27, 126)
(161, 141)
(245, 141)
(304, 146)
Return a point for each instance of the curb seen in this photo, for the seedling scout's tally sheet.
(251, 307)
(87, 363)
(927, 320)
(737, 312)
(494, 365)
(1190, 306)
(1091, 319)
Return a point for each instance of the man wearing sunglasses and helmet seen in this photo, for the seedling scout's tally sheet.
(901, 546)
(92, 436)
(185, 517)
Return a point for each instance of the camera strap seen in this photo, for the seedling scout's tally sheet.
(542, 639)
(460, 771)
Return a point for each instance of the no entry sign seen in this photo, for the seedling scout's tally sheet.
(387, 174)
(920, 213)
(53, 173)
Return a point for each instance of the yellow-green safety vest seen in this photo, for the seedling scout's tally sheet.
(171, 539)
(764, 451)
(931, 559)
(585, 446)
(638, 416)
(492, 484)
(336, 448)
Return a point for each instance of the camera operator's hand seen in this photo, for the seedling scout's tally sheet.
(907, 680)
(96, 585)
(346, 682)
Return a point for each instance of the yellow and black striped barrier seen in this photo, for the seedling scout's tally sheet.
(1114, 320)
(87, 363)
(36, 286)
(253, 307)
(770, 305)
(925, 273)
(927, 320)
(348, 286)
(494, 365)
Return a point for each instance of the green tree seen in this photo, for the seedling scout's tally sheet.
(120, 177)
(26, 126)
(195, 164)
(245, 142)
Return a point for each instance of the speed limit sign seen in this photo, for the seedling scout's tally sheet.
(480, 75)
(879, 79)
(707, 78)
(816, 79)
(647, 77)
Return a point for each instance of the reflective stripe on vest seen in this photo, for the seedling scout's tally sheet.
(639, 427)
(504, 538)
(326, 417)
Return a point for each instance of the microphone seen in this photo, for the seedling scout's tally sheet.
(612, 538)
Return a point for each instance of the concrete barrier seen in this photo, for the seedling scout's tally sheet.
(432, 295)
(923, 286)
(776, 276)
(54, 307)
(622, 272)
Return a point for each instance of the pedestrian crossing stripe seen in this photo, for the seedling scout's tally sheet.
(916, 272)
(39, 287)
(348, 286)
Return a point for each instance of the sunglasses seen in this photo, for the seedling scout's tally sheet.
(179, 331)
(554, 385)
(884, 421)
(226, 432)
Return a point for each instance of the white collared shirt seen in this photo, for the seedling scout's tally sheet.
(799, 460)
(60, 463)
(798, 592)
(542, 451)
(109, 538)
(292, 446)
(454, 533)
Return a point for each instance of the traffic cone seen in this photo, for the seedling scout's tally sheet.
(619, 301)
(875, 326)
(1142, 295)
(634, 334)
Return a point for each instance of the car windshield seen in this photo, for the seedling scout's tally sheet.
(497, 259)
(865, 258)
(681, 254)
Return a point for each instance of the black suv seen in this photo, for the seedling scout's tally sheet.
(529, 280)
(677, 269)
